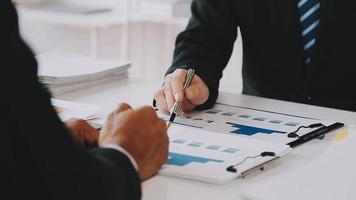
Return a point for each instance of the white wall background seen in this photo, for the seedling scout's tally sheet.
(150, 45)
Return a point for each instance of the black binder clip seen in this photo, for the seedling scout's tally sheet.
(233, 169)
(295, 135)
(315, 134)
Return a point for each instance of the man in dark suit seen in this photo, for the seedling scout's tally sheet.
(294, 50)
(43, 159)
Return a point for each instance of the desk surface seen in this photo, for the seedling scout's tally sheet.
(318, 170)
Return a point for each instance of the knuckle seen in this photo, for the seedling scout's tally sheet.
(169, 75)
(110, 116)
(148, 110)
(122, 106)
(79, 122)
(176, 72)
(158, 93)
(176, 75)
(70, 121)
(176, 83)
(168, 79)
(167, 87)
(121, 109)
(180, 72)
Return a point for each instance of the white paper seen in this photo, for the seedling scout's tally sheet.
(202, 155)
(204, 143)
(70, 110)
(246, 122)
(64, 73)
(67, 65)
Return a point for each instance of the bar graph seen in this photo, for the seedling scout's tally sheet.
(183, 159)
(250, 130)
(203, 155)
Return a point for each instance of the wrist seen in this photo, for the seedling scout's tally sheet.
(122, 150)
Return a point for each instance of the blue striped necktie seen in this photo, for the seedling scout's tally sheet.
(310, 22)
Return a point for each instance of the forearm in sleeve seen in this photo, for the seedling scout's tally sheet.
(207, 43)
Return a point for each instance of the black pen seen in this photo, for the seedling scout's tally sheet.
(315, 134)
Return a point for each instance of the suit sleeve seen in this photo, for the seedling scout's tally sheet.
(207, 43)
(65, 170)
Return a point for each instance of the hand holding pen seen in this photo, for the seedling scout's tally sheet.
(177, 106)
(172, 91)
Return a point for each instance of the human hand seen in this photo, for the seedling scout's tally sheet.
(83, 133)
(141, 133)
(172, 90)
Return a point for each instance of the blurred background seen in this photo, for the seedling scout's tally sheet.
(141, 31)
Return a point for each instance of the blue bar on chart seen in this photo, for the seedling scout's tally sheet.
(182, 159)
(250, 130)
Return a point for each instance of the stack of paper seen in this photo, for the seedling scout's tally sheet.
(67, 73)
(166, 8)
(67, 7)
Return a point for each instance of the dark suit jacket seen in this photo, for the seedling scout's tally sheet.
(39, 159)
(273, 60)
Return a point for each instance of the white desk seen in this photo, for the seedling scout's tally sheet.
(324, 170)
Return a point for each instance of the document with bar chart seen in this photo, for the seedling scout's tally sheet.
(204, 143)
(205, 156)
(246, 122)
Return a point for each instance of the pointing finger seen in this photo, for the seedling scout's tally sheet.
(177, 84)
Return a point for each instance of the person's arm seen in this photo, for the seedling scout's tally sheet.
(88, 137)
(66, 170)
(207, 42)
(42, 153)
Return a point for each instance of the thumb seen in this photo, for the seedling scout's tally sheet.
(121, 107)
(196, 94)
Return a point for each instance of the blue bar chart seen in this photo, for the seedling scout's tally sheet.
(250, 130)
(182, 159)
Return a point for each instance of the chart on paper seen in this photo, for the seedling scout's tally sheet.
(246, 122)
(204, 143)
(202, 155)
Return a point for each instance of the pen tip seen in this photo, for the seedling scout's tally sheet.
(173, 116)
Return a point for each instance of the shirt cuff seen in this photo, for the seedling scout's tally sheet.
(122, 150)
